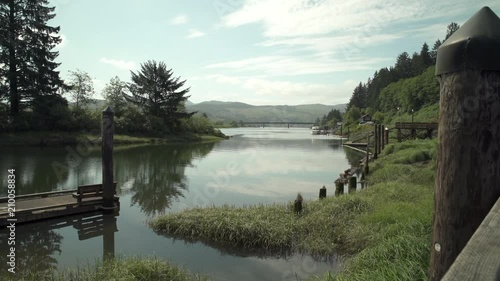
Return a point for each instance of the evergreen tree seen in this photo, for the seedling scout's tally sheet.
(452, 27)
(159, 93)
(26, 59)
(433, 53)
(359, 97)
(426, 55)
(403, 66)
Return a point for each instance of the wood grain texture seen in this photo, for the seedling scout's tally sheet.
(468, 162)
(480, 259)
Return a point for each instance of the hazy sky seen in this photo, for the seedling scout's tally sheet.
(253, 51)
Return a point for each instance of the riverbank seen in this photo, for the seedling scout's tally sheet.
(130, 269)
(384, 231)
(50, 138)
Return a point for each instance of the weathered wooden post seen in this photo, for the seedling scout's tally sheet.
(375, 142)
(382, 136)
(339, 187)
(352, 183)
(322, 192)
(107, 130)
(297, 205)
(468, 161)
(386, 136)
(367, 169)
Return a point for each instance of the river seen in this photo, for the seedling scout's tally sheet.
(256, 165)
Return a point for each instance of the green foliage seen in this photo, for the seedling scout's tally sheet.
(51, 113)
(158, 93)
(121, 268)
(113, 93)
(27, 67)
(412, 93)
(386, 229)
(80, 87)
(352, 115)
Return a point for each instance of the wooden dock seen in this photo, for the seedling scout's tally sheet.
(40, 206)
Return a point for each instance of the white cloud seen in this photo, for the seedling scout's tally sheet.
(179, 19)
(294, 65)
(127, 65)
(291, 18)
(193, 33)
(261, 90)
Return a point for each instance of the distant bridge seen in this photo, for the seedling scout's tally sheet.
(287, 124)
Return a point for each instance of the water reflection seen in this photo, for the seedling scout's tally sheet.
(38, 245)
(157, 173)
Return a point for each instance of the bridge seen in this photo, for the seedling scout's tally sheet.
(285, 123)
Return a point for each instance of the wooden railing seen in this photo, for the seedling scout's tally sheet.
(480, 259)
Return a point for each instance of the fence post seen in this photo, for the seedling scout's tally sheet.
(381, 138)
(107, 130)
(382, 134)
(468, 162)
(375, 140)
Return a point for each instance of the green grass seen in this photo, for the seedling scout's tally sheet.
(51, 138)
(123, 269)
(385, 229)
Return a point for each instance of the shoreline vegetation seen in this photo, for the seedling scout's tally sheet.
(54, 138)
(120, 268)
(383, 231)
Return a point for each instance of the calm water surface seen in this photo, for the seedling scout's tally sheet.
(257, 165)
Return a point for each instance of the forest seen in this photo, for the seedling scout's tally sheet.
(407, 86)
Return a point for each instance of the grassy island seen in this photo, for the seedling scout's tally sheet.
(383, 231)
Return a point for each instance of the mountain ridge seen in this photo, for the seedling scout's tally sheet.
(238, 111)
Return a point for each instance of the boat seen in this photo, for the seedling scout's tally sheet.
(315, 130)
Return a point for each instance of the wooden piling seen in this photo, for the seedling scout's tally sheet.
(339, 188)
(322, 192)
(468, 162)
(352, 183)
(107, 130)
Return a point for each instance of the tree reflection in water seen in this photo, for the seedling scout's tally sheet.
(158, 173)
(35, 248)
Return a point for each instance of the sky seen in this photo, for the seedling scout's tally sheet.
(260, 52)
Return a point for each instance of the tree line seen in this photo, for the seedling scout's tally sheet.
(408, 85)
(31, 89)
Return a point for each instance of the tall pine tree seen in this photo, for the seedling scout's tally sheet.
(26, 56)
(159, 93)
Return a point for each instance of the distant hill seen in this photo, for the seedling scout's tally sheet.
(237, 111)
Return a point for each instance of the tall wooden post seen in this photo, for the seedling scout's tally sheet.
(107, 130)
(380, 138)
(468, 162)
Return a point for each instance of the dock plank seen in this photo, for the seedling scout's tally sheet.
(33, 209)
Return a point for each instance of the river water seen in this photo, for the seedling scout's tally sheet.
(256, 165)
